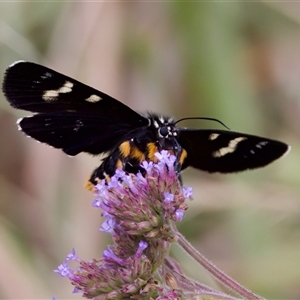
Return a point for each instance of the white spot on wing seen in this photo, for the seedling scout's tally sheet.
(229, 149)
(261, 144)
(213, 136)
(52, 95)
(46, 75)
(66, 88)
(93, 98)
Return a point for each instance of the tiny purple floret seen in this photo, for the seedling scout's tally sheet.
(63, 270)
(72, 255)
(179, 214)
(108, 225)
(168, 197)
(142, 246)
(187, 192)
(109, 255)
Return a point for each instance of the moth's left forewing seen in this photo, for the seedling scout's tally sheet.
(227, 151)
(36, 88)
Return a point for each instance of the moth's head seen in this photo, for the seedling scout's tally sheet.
(163, 127)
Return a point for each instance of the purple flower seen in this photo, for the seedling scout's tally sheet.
(142, 246)
(76, 290)
(110, 256)
(179, 214)
(165, 157)
(63, 270)
(139, 211)
(168, 197)
(109, 224)
(112, 277)
(147, 166)
(187, 192)
(143, 205)
(72, 255)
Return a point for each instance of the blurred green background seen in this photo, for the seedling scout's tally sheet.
(238, 62)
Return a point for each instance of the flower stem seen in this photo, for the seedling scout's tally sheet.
(213, 270)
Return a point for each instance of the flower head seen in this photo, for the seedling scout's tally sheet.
(144, 205)
(140, 212)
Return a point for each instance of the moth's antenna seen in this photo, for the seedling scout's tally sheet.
(202, 118)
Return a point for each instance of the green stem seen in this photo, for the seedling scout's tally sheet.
(213, 270)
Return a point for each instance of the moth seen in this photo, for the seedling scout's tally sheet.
(74, 117)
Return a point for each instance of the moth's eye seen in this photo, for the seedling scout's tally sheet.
(163, 131)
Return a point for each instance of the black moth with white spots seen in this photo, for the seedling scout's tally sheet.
(77, 118)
